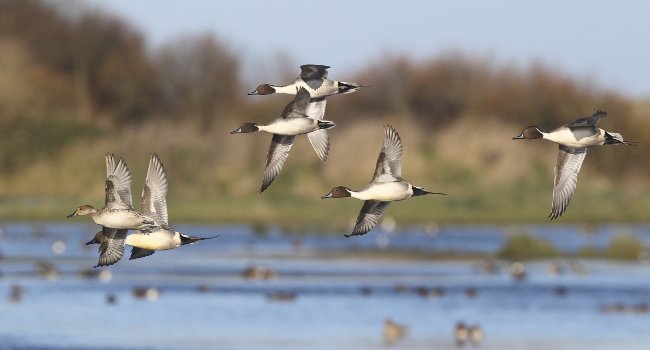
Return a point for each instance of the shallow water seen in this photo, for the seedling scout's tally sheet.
(341, 300)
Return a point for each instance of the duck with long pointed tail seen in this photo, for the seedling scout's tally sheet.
(154, 204)
(574, 138)
(386, 186)
(313, 77)
(299, 117)
(118, 212)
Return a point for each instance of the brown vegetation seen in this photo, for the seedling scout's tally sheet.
(74, 85)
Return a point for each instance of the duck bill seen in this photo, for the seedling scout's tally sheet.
(237, 131)
(72, 215)
(254, 92)
(519, 137)
(329, 195)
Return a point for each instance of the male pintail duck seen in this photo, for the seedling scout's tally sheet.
(386, 186)
(118, 212)
(574, 138)
(313, 78)
(299, 117)
(154, 205)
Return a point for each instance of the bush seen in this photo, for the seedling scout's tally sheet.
(523, 246)
(625, 246)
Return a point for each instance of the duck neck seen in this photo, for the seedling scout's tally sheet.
(287, 89)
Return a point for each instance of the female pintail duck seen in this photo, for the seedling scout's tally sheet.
(299, 117)
(386, 186)
(154, 205)
(574, 138)
(313, 77)
(118, 212)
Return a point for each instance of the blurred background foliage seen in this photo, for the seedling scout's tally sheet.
(77, 83)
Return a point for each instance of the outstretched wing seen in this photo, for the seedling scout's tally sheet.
(569, 161)
(389, 167)
(118, 184)
(111, 248)
(313, 75)
(278, 153)
(591, 120)
(297, 108)
(154, 193)
(368, 217)
(319, 139)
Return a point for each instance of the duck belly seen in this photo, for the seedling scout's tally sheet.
(386, 192)
(156, 240)
(575, 137)
(119, 219)
(291, 126)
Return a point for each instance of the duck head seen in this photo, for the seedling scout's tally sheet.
(338, 192)
(245, 128)
(613, 138)
(264, 89)
(83, 210)
(531, 132)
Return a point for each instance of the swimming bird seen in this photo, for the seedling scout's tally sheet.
(475, 334)
(118, 212)
(299, 117)
(573, 138)
(313, 77)
(393, 331)
(386, 186)
(461, 333)
(154, 205)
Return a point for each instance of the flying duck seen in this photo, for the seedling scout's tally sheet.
(573, 139)
(299, 117)
(313, 77)
(386, 186)
(118, 212)
(154, 205)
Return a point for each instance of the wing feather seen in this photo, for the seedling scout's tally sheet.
(368, 217)
(319, 139)
(111, 249)
(275, 158)
(118, 184)
(389, 167)
(154, 193)
(568, 165)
